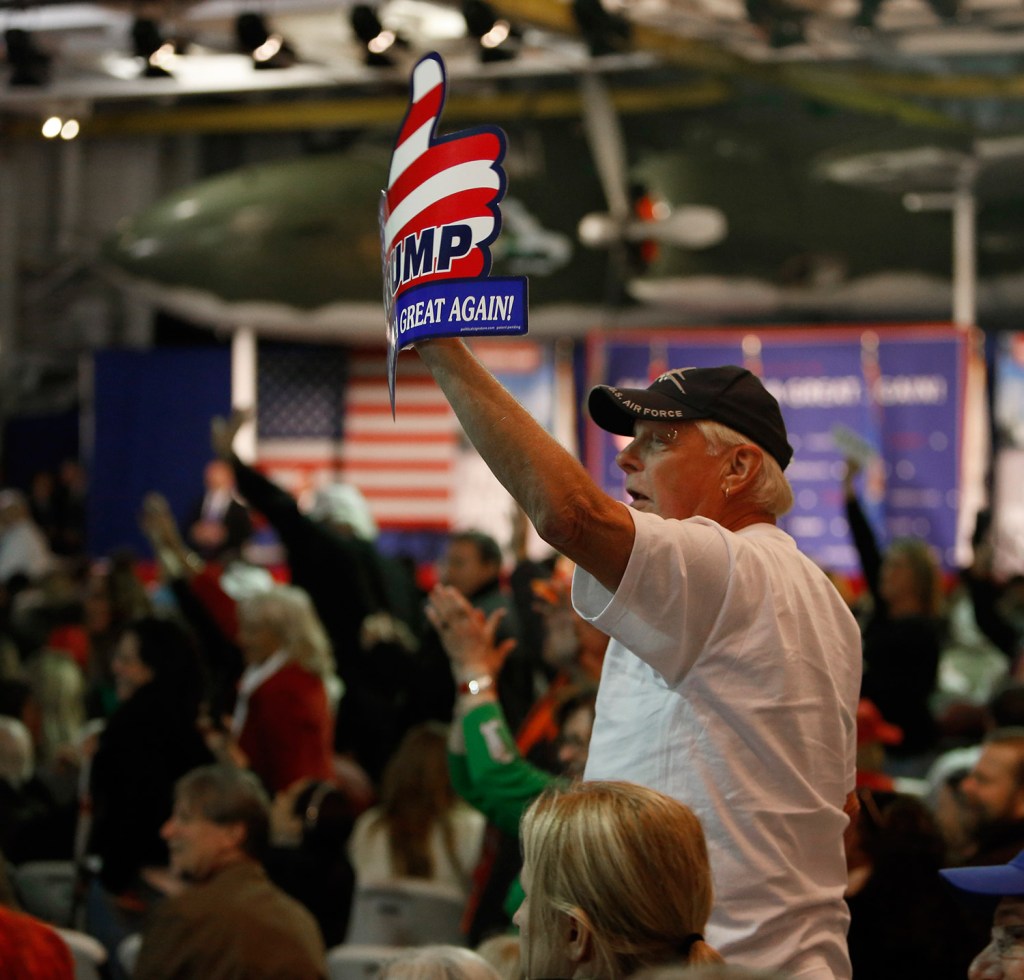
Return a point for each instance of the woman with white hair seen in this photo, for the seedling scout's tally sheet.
(438, 963)
(283, 723)
(616, 878)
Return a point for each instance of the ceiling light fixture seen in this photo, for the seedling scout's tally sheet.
(378, 41)
(867, 15)
(947, 11)
(66, 129)
(29, 64)
(497, 39)
(605, 32)
(780, 25)
(148, 43)
(268, 50)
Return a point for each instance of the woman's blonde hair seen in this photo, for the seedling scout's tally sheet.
(58, 684)
(770, 490)
(288, 611)
(628, 862)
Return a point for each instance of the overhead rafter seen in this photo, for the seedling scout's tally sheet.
(379, 111)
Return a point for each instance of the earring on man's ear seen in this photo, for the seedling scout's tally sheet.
(725, 490)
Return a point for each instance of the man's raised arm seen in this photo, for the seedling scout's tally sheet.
(564, 504)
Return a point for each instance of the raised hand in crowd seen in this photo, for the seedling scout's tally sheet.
(468, 634)
(224, 429)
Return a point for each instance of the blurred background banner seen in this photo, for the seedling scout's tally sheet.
(906, 400)
(1008, 414)
(150, 431)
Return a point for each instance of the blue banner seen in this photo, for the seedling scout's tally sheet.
(898, 391)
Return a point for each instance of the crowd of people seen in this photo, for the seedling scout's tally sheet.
(674, 745)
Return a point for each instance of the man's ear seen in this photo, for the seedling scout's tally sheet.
(579, 938)
(745, 463)
(235, 834)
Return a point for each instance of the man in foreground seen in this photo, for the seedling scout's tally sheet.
(732, 678)
(227, 922)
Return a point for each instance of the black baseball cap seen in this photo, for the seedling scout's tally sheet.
(730, 395)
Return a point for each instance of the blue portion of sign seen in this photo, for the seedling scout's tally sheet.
(898, 390)
(461, 308)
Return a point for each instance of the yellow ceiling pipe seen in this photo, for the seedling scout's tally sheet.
(370, 112)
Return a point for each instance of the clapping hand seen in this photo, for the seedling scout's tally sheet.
(467, 633)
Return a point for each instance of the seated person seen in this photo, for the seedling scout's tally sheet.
(420, 829)
(486, 766)
(33, 827)
(645, 902)
(225, 918)
(1004, 884)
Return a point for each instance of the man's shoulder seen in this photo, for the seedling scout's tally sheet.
(237, 919)
(240, 890)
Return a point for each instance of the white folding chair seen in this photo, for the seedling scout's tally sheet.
(46, 889)
(406, 912)
(357, 961)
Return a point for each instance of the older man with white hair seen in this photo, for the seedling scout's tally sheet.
(33, 826)
(732, 678)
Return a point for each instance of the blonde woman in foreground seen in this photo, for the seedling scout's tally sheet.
(617, 878)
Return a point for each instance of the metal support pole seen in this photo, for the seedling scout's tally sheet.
(965, 273)
(244, 356)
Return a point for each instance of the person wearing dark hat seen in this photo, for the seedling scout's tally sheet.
(1003, 957)
(732, 677)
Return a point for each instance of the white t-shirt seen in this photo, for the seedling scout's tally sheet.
(731, 684)
(370, 853)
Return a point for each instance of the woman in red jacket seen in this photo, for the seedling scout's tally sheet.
(283, 722)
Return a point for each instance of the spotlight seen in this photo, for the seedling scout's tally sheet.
(66, 129)
(148, 43)
(378, 41)
(604, 32)
(267, 50)
(29, 64)
(787, 31)
(780, 25)
(947, 11)
(868, 14)
(497, 39)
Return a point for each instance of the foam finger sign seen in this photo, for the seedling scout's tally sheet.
(438, 218)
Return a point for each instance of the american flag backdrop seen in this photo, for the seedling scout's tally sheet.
(323, 414)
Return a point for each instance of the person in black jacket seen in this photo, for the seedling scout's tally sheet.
(368, 605)
(902, 635)
(149, 742)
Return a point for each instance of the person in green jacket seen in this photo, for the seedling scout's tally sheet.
(486, 767)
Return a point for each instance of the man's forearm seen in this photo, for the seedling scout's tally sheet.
(568, 509)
